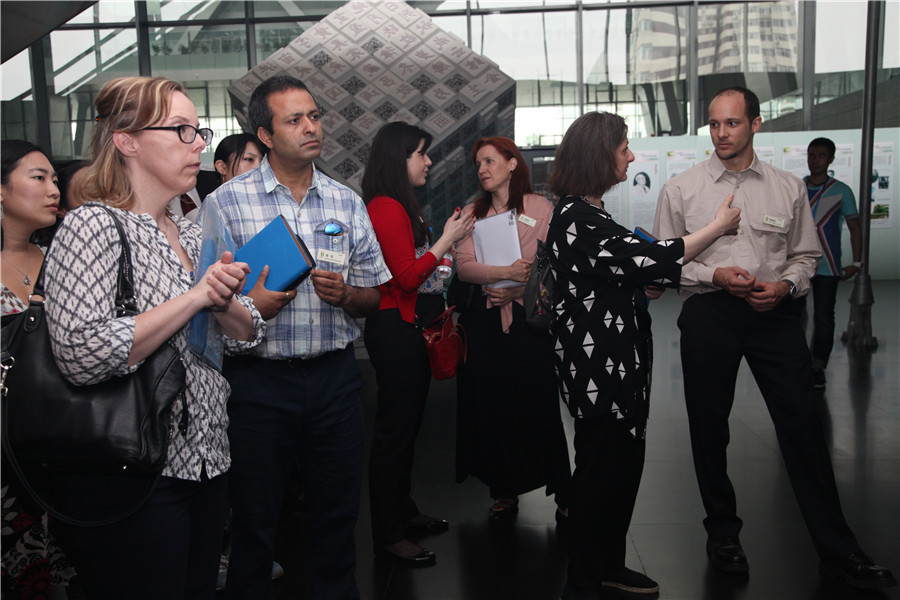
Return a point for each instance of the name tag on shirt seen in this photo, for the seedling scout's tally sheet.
(527, 220)
(774, 221)
(335, 258)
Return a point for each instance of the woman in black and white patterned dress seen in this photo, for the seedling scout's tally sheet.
(603, 345)
(146, 148)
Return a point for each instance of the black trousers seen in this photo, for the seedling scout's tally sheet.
(307, 411)
(169, 549)
(398, 354)
(717, 330)
(608, 467)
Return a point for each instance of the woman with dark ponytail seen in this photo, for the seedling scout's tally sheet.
(397, 163)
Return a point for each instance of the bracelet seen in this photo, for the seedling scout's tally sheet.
(857, 264)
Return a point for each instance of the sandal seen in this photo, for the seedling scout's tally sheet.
(504, 510)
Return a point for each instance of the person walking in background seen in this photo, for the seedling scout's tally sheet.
(741, 301)
(414, 297)
(146, 149)
(509, 430)
(604, 348)
(298, 395)
(832, 202)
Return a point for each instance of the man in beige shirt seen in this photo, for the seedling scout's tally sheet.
(740, 301)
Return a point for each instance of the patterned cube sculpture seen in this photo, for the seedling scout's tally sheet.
(368, 63)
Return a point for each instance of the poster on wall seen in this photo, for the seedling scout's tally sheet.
(793, 160)
(842, 167)
(679, 161)
(612, 202)
(643, 188)
(882, 184)
(766, 154)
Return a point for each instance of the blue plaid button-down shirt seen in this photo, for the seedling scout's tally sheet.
(307, 327)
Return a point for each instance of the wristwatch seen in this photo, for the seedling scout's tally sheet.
(792, 289)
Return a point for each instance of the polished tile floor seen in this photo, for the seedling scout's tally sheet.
(861, 413)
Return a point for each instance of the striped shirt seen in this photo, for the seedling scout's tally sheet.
(307, 327)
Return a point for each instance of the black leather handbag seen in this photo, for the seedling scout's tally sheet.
(538, 295)
(119, 426)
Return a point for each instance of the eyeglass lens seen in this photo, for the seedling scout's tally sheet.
(188, 133)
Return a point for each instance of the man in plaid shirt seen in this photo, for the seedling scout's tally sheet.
(298, 394)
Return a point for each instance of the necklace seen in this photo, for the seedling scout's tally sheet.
(27, 280)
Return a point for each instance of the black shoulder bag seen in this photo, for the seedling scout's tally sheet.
(119, 426)
(538, 295)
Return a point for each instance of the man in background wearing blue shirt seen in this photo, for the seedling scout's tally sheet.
(831, 202)
(298, 394)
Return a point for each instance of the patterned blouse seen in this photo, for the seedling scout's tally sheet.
(602, 325)
(92, 345)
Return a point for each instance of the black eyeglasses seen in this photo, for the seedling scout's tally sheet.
(187, 133)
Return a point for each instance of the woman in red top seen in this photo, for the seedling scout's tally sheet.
(397, 163)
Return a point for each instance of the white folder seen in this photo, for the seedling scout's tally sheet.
(496, 242)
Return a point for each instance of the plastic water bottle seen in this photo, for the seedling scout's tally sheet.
(445, 266)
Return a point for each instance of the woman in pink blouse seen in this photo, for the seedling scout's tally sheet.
(509, 432)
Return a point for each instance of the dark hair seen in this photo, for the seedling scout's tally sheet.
(11, 152)
(386, 173)
(638, 174)
(232, 147)
(823, 143)
(259, 110)
(64, 174)
(519, 179)
(585, 162)
(751, 100)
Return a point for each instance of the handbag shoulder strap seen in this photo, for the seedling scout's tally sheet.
(125, 301)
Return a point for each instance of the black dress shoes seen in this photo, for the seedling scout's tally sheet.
(858, 570)
(726, 554)
(422, 526)
(425, 557)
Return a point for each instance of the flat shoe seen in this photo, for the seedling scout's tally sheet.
(630, 584)
(432, 526)
(504, 511)
(425, 558)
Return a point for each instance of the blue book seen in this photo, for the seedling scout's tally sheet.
(644, 234)
(279, 247)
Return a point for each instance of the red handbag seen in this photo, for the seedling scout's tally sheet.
(446, 345)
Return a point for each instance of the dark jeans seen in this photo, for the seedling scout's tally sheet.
(279, 410)
(717, 331)
(397, 351)
(168, 549)
(608, 467)
(824, 295)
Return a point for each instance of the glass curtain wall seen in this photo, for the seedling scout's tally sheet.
(652, 62)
